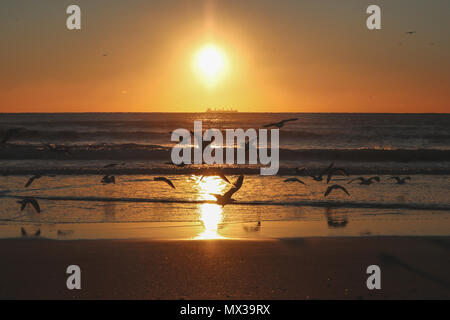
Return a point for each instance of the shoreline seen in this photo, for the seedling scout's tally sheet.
(306, 268)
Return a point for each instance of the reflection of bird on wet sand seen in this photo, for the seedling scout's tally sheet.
(25, 234)
(255, 228)
(226, 197)
(163, 179)
(29, 201)
(334, 221)
(63, 233)
(364, 181)
(401, 180)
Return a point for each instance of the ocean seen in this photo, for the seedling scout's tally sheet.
(75, 204)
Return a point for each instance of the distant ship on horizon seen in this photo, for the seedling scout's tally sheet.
(223, 110)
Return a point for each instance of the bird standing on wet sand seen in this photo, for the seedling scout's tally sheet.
(335, 186)
(401, 180)
(279, 124)
(33, 202)
(109, 179)
(226, 197)
(364, 181)
(295, 180)
(163, 179)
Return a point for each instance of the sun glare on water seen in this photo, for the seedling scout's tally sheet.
(210, 213)
(210, 63)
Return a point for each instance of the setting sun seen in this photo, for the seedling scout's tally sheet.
(210, 62)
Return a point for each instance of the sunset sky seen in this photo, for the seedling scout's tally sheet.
(272, 56)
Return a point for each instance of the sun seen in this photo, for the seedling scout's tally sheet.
(210, 62)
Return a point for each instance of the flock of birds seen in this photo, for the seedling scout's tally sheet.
(331, 171)
(222, 199)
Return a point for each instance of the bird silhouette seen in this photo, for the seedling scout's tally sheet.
(30, 181)
(319, 177)
(295, 180)
(108, 180)
(220, 175)
(279, 124)
(30, 201)
(226, 198)
(364, 181)
(335, 187)
(163, 179)
(410, 32)
(401, 180)
(334, 171)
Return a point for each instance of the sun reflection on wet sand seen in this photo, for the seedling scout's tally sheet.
(210, 214)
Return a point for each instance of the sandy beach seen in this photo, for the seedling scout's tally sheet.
(309, 268)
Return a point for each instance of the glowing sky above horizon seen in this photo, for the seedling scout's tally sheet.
(263, 56)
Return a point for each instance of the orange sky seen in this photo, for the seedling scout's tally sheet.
(283, 56)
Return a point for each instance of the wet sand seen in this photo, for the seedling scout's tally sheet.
(310, 268)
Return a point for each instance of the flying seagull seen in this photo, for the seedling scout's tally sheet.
(279, 124)
(33, 202)
(30, 181)
(320, 176)
(35, 177)
(109, 179)
(333, 187)
(226, 197)
(401, 180)
(364, 181)
(295, 180)
(220, 175)
(163, 179)
(333, 171)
